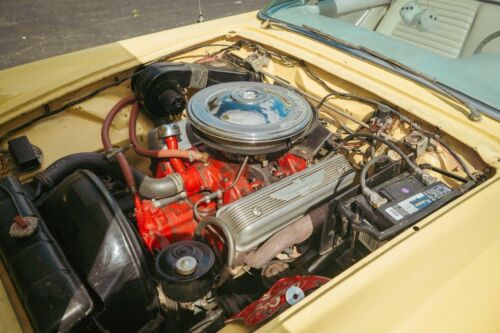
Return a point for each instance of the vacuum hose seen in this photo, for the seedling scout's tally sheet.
(167, 153)
(108, 146)
(149, 187)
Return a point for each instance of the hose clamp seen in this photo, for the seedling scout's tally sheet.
(110, 154)
(179, 182)
(191, 156)
(168, 130)
(199, 76)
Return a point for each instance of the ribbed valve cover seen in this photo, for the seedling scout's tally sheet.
(249, 118)
(258, 216)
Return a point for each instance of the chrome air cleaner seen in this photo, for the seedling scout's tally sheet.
(249, 118)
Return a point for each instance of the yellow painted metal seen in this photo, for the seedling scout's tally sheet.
(8, 320)
(13, 318)
(443, 277)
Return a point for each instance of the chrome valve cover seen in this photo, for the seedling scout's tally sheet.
(258, 216)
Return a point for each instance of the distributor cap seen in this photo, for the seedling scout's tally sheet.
(249, 118)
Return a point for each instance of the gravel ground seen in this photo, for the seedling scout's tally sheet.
(36, 29)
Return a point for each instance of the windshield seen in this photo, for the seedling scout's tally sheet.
(453, 42)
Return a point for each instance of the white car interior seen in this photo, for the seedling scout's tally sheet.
(460, 26)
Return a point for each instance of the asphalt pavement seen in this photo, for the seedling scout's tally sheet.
(36, 29)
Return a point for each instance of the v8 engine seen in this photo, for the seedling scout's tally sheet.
(247, 129)
(245, 197)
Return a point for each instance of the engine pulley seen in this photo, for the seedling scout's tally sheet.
(186, 270)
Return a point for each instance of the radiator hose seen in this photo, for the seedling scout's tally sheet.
(159, 188)
(63, 167)
(95, 162)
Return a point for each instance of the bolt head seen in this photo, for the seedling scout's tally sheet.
(257, 211)
(186, 265)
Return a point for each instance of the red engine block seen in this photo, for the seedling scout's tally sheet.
(176, 221)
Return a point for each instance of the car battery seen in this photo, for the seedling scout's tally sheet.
(408, 201)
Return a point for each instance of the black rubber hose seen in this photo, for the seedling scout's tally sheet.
(387, 143)
(458, 159)
(452, 153)
(443, 172)
(63, 167)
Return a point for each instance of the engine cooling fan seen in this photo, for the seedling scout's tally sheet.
(249, 118)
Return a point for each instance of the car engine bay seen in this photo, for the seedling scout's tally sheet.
(235, 194)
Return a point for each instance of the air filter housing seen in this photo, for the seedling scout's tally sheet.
(249, 118)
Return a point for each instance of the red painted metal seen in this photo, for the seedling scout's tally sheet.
(176, 221)
(176, 163)
(163, 168)
(162, 226)
(274, 301)
(290, 164)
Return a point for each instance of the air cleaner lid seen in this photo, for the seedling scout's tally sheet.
(249, 117)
